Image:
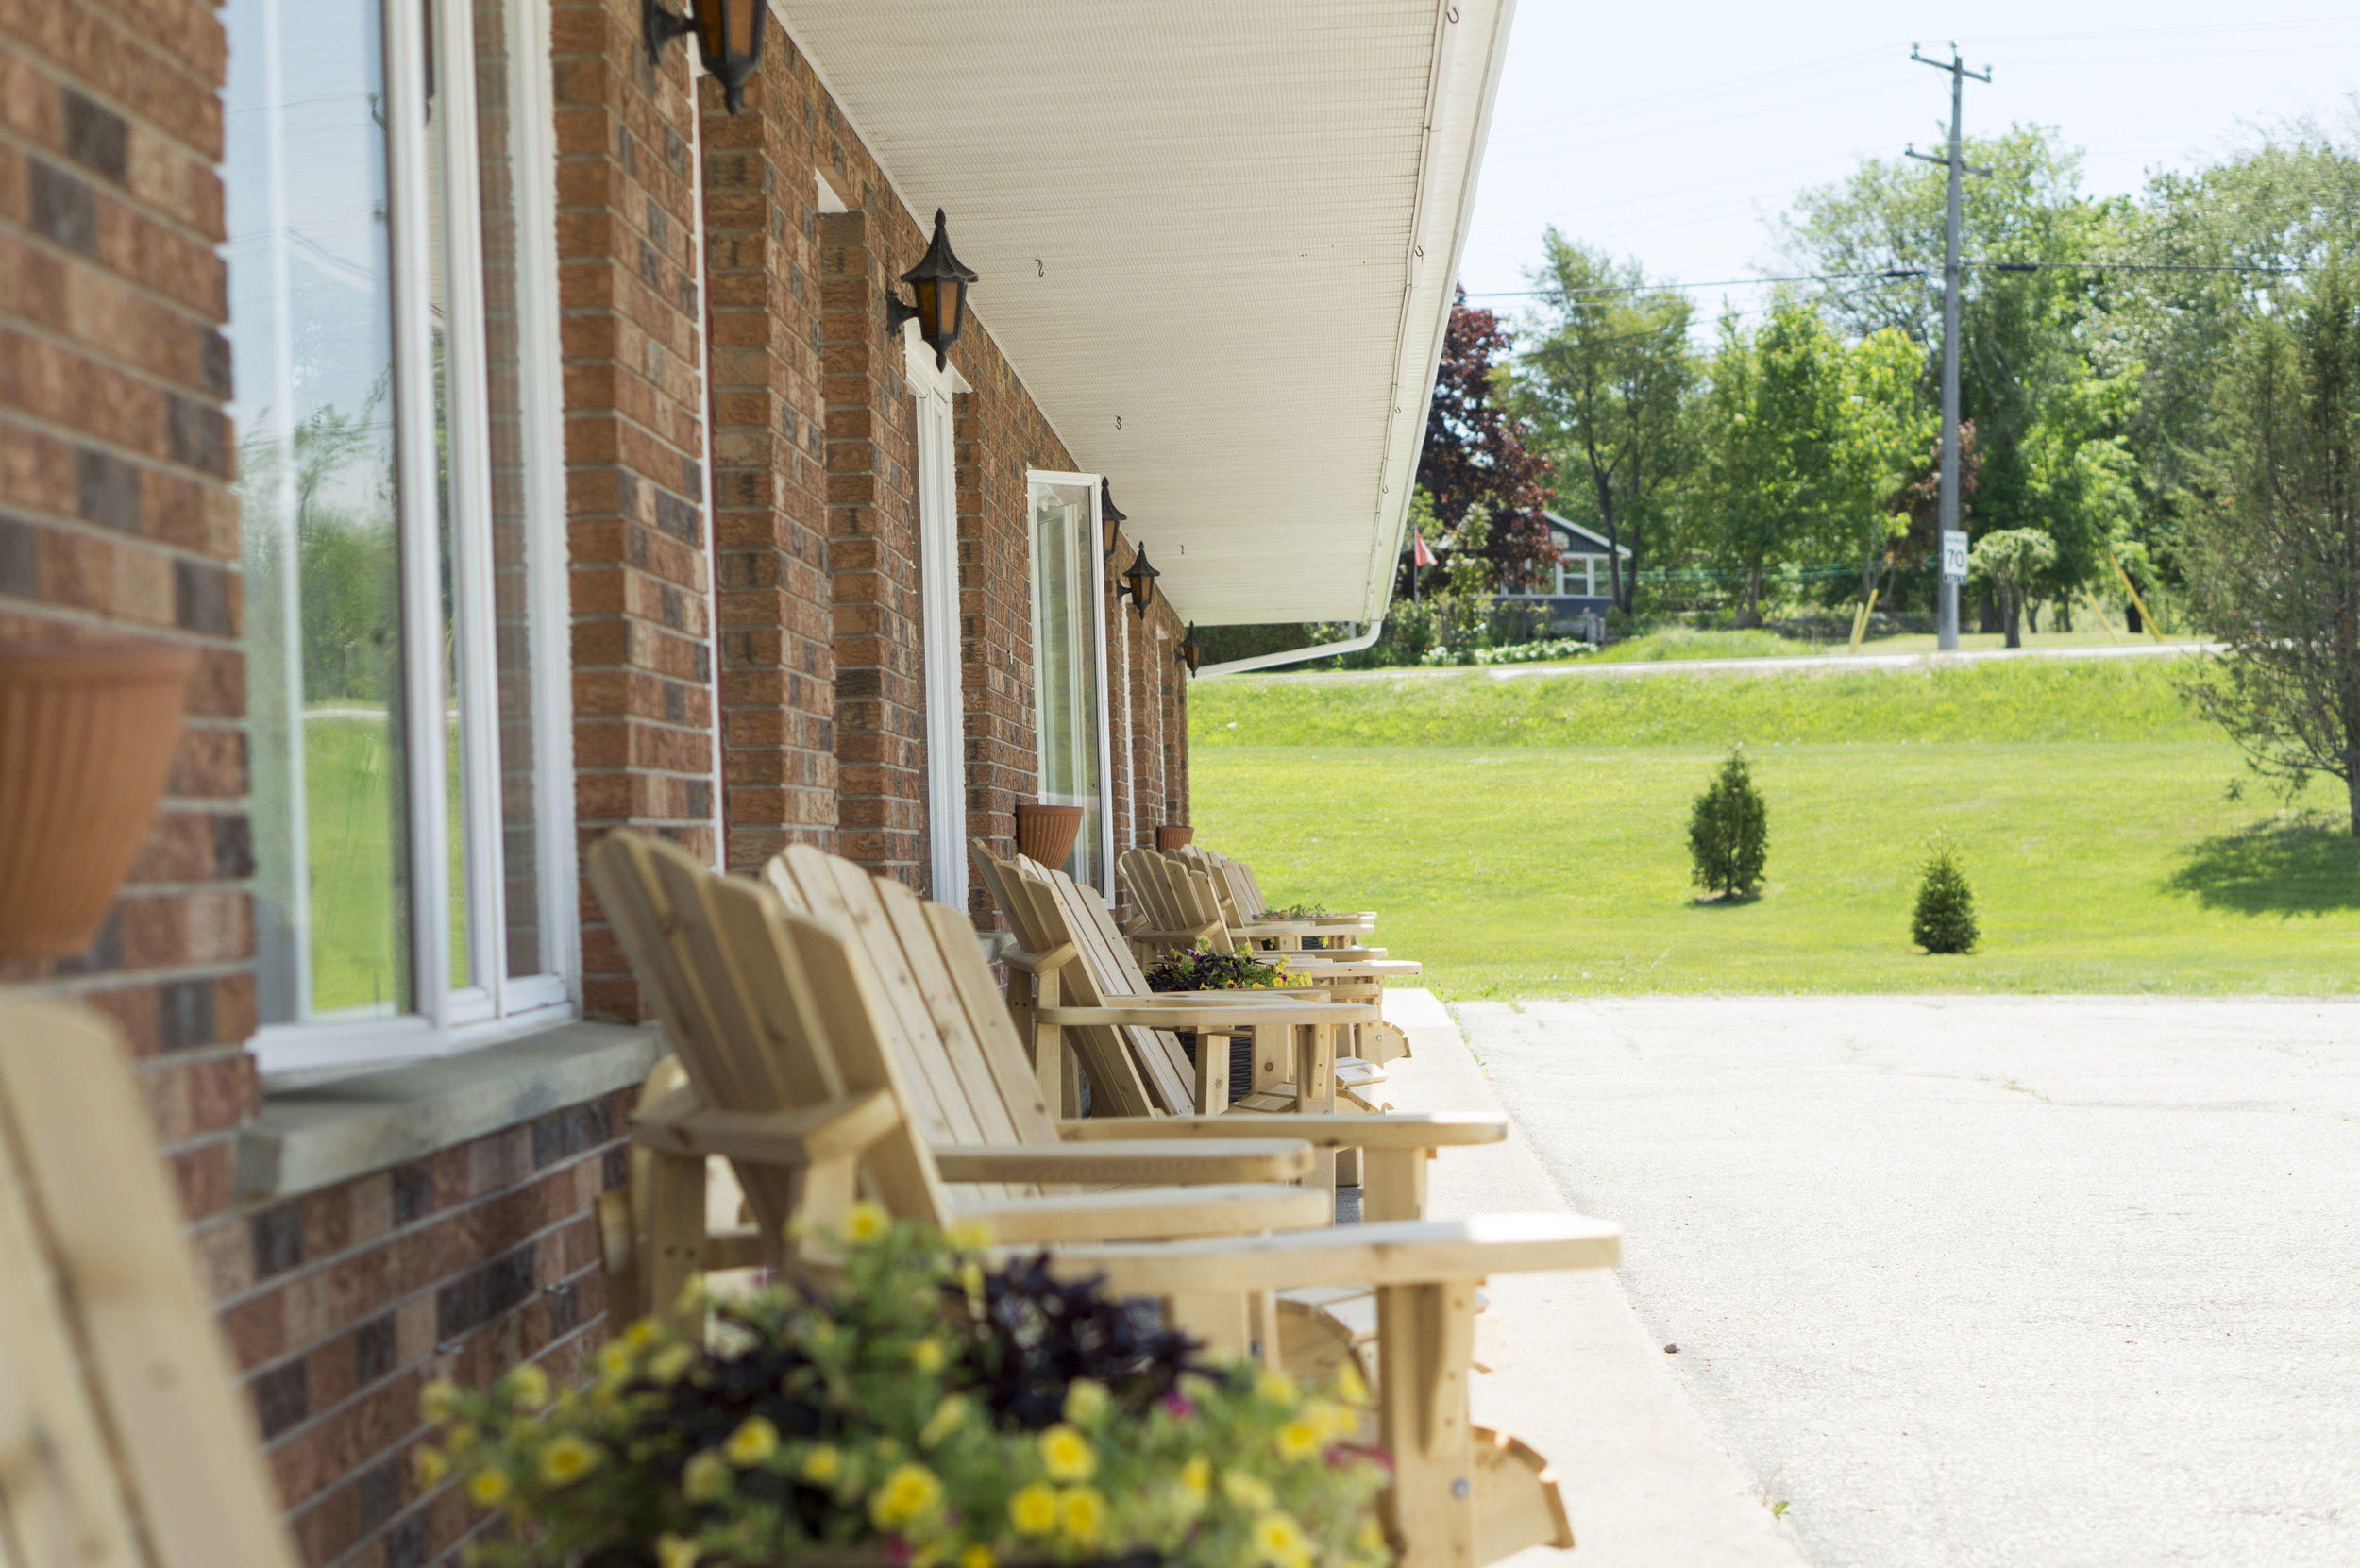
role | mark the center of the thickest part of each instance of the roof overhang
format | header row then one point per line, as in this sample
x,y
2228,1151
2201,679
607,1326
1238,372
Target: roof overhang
x,y
1217,243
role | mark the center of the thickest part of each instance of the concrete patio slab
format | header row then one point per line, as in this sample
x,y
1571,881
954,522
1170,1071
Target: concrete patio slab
x,y
2021,1282
1648,1483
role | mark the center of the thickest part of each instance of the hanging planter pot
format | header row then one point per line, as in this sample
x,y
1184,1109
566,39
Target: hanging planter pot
x,y
1046,832
1171,835
87,732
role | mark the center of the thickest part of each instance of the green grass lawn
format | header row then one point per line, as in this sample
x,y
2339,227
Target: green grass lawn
x,y
1528,838
1682,643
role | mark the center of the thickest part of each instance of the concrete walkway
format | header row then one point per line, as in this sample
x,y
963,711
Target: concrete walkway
x,y
2021,1282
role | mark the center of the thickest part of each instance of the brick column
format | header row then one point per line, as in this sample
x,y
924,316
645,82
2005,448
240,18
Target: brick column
x,y
873,555
640,577
778,654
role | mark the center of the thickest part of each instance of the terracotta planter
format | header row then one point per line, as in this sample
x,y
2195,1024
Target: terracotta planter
x,y
1046,834
87,732
1171,836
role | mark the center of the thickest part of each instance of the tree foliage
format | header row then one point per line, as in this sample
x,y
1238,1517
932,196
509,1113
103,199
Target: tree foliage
x,y
1606,377
1476,453
2275,561
1729,831
2011,560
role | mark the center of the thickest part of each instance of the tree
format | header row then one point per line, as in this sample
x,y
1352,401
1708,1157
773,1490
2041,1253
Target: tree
x,y
1606,381
1729,831
1771,421
2011,560
1476,454
2274,564
1944,920
1883,427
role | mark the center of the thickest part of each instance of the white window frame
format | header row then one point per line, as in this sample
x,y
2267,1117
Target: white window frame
x,y
931,391
1098,636
492,1006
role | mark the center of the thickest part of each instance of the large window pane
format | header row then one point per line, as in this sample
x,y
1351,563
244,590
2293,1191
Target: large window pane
x,y
311,315
1065,667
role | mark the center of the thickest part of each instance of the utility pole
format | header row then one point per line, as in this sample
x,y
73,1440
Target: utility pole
x,y
1954,542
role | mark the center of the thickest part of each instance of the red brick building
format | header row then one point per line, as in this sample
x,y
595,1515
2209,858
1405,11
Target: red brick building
x,y
518,436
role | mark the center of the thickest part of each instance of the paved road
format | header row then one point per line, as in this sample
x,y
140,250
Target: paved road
x,y
2026,1283
1824,663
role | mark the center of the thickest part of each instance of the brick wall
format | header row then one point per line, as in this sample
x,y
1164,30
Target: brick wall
x,y
640,574
116,516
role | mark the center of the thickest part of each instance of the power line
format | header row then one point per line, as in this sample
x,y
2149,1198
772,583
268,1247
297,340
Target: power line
x,y
1894,273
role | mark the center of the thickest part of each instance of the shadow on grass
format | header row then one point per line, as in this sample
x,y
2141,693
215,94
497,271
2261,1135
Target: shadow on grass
x,y
1725,900
2287,865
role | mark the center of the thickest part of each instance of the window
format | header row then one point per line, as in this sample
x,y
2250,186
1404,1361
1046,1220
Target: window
x,y
1069,666
389,188
1581,577
939,585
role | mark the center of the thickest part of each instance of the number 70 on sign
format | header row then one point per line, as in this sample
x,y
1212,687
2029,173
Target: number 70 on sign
x,y
1955,554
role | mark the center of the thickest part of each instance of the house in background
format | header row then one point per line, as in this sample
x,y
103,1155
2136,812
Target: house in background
x,y
524,444
1581,586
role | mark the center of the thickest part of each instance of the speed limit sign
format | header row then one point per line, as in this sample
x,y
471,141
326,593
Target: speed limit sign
x,y
1954,553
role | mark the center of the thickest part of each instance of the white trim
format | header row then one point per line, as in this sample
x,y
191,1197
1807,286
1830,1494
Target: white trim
x,y
936,475
417,528
710,522
541,375
280,1048
1098,635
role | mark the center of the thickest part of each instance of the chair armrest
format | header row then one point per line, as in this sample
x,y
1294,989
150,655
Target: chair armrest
x,y
1039,963
680,1124
1400,1252
1390,1130
1260,994
1184,938
1136,1163
1209,1017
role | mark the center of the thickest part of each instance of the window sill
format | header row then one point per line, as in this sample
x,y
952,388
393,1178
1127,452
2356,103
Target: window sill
x,y
311,1138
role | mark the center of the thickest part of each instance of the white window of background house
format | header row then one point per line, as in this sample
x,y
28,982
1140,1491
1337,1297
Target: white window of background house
x,y
1069,666
938,585
391,195
1581,575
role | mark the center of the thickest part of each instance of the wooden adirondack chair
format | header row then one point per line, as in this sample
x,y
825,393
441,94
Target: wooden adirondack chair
x,y
1461,1496
123,1441
765,1089
1247,904
1182,910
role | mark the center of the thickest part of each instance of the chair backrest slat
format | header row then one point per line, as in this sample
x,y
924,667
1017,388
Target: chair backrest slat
x,y
1162,1067
987,1018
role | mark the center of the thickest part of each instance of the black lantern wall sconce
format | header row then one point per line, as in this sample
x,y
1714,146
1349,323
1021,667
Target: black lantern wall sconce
x,y
1138,582
939,296
729,36
1110,516
1191,653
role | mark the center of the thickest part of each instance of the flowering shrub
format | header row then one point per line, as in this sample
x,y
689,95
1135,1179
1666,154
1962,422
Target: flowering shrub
x,y
1207,970
930,1411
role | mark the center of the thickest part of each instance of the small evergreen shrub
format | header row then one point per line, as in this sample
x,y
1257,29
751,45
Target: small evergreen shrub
x,y
1729,831
1945,922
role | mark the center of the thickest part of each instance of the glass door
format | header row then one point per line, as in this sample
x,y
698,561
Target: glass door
x,y
1069,666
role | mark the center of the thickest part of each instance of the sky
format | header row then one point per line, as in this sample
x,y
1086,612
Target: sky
x,y
1672,134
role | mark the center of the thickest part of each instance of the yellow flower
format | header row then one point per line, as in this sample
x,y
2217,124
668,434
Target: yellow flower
x,y
1197,1476
705,1478
1350,1384
754,1441
1248,1491
1086,1400
926,1354
977,1556
489,1488
945,1420
460,1437
1299,1440
972,1280
1082,1513
1034,1510
614,1362
1370,1539
1276,1387
822,1465
969,1236
909,1494
528,1388
1332,1419
432,1465
639,1336
867,1221
569,1460
438,1400
673,1551
1279,1540
668,1363
1066,1455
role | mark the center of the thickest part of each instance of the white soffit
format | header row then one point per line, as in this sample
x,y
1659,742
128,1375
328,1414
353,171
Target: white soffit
x,y
1232,228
